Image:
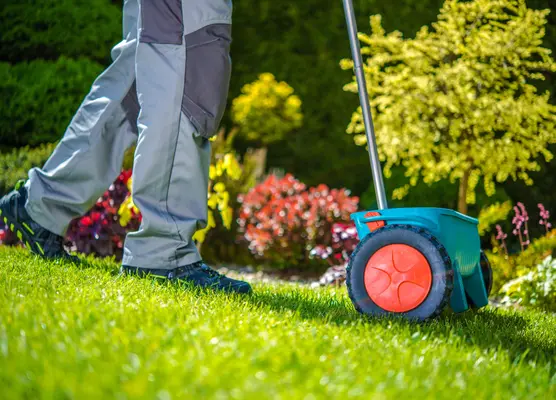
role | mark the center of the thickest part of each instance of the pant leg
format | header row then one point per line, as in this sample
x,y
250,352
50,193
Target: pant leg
x,y
183,73
90,155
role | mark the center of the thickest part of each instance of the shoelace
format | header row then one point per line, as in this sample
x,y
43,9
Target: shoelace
x,y
210,272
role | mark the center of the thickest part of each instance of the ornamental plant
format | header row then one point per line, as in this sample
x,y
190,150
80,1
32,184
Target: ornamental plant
x,y
283,220
520,223
459,100
337,253
222,239
267,110
225,166
544,217
490,215
535,289
16,163
100,231
511,264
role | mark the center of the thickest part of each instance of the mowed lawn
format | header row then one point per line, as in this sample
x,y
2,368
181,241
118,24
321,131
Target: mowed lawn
x,y
84,332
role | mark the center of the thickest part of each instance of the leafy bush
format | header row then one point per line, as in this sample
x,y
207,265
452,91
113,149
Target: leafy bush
x,y
536,289
267,110
509,265
301,43
16,164
100,232
337,253
492,214
39,98
440,115
222,243
224,168
283,220
48,29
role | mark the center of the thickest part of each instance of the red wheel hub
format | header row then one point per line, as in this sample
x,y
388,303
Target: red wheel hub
x,y
398,278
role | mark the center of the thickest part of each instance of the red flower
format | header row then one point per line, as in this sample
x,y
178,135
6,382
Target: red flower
x,y
95,215
86,221
283,219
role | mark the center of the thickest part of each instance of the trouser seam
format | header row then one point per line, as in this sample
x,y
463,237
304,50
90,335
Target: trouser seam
x,y
169,183
172,162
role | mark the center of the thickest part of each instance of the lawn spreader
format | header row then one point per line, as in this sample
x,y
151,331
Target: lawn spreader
x,y
411,262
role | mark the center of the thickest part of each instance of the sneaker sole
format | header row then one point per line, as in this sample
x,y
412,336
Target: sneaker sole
x,y
23,233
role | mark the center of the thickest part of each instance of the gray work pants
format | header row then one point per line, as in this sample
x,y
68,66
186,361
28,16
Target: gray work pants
x,y
166,90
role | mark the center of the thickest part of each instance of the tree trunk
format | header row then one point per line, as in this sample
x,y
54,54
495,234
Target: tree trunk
x,y
258,157
462,193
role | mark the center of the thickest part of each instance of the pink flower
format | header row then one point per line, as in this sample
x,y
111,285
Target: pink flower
x,y
524,214
545,215
500,233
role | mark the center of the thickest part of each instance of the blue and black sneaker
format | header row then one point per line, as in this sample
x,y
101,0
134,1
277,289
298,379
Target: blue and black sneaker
x,y
198,274
36,238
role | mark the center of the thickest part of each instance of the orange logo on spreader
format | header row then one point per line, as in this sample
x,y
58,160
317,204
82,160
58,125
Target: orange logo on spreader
x,y
373,226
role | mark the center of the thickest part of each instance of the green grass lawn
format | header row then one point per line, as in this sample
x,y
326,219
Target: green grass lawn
x,y
85,332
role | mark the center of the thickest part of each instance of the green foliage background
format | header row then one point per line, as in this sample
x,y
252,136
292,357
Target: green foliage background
x,y
300,42
42,98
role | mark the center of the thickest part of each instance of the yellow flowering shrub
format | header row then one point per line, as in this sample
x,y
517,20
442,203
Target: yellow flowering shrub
x,y
267,110
128,209
225,167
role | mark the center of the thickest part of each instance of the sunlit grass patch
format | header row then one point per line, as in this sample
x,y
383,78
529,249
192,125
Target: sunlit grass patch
x,y
85,332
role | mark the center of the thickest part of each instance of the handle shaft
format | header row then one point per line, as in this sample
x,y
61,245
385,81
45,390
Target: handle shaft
x,y
365,105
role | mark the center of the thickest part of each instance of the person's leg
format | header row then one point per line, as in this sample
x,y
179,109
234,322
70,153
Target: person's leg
x,y
90,155
88,158
183,73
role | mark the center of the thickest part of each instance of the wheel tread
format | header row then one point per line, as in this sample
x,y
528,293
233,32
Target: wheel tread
x,y
423,232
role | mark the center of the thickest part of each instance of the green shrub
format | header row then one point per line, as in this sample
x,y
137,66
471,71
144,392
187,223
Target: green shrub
x,y
536,289
267,110
222,243
506,268
492,214
39,98
49,29
15,164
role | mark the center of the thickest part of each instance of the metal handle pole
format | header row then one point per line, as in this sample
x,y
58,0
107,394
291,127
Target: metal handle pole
x,y
365,105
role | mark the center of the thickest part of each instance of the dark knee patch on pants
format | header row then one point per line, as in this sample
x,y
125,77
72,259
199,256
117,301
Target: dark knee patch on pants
x,y
131,107
207,77
161,22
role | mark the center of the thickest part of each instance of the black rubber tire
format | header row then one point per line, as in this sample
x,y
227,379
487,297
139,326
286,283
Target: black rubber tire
x,y
486,270
418,238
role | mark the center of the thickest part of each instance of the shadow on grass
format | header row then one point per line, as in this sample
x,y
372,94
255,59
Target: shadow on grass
x,y
487,328
525,337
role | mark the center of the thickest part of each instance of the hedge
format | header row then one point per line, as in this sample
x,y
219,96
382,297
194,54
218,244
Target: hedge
x,y
40,97
14,165
48,29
